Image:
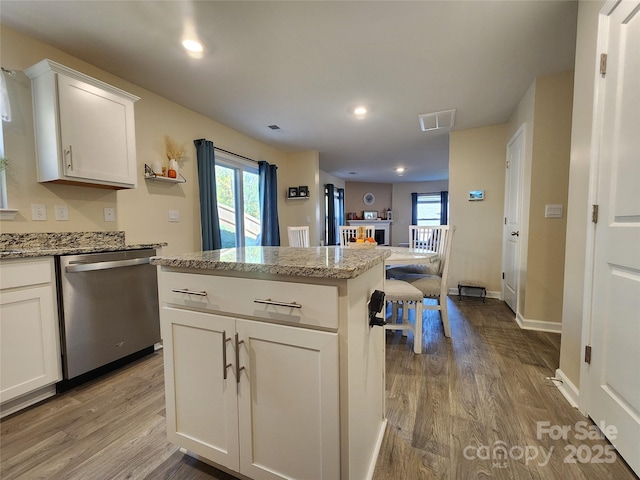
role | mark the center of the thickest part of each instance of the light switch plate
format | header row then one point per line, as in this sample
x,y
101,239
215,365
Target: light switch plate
x,y
174,215
109,214
62,212
553,211
38,212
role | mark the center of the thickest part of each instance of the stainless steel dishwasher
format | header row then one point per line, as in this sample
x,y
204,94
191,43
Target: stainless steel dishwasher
x,y
109,314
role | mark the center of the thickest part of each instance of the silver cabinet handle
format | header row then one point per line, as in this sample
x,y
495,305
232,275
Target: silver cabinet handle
x,y
87,267
238,367
225,365
69,154
268,301
189,292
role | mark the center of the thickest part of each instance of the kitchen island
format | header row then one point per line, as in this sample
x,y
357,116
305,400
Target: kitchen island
x,y
271,367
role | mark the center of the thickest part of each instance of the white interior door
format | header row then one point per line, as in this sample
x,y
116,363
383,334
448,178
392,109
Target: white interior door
x,y
614,383
512,209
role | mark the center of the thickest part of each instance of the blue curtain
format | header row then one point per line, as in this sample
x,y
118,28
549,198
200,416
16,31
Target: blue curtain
x,y
444,207
414,208
270,228
206,157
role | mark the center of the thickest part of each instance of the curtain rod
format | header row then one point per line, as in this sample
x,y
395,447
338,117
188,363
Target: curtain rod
x,y
237,155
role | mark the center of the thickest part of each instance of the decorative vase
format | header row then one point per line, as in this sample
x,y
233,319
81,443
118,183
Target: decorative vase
x,y
173,169
156,166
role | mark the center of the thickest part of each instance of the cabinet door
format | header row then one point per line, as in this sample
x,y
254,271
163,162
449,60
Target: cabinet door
x,y
201,403
288,402
97,133
29,345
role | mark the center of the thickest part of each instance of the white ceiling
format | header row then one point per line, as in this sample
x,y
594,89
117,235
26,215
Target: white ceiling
x,y
302,64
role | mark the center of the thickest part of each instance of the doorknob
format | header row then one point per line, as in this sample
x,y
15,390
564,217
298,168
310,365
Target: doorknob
x,y
515,234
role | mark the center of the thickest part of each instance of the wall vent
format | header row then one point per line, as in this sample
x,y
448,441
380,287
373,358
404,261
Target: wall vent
x,y
437,121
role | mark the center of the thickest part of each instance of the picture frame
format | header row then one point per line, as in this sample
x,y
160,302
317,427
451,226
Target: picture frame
x,y
476,195
303,191
369,198
293,192
370,215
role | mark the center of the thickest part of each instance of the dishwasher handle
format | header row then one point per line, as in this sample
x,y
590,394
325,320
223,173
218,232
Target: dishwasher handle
x,y
88,267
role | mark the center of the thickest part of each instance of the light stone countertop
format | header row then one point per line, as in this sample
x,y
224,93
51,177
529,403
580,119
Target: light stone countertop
x,y
325,262
27,245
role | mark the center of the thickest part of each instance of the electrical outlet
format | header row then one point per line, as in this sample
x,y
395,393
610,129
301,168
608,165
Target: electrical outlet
x,y
62,212
109,214
38,212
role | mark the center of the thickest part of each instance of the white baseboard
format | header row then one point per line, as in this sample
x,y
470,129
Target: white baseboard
x,y
539,325
568,389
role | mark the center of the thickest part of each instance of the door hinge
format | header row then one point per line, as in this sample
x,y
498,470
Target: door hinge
x,y
603,64
594,213
587,354
505,220
503,275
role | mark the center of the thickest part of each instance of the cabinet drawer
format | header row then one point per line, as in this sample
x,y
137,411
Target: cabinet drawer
x,y
23,273
282,302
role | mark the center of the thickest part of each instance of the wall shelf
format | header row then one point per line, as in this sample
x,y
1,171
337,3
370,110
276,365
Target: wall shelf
x,y
149,175
297,198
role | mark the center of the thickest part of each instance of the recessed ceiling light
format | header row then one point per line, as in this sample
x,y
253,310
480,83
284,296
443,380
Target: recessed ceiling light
x,y
193,47
360,111
400,169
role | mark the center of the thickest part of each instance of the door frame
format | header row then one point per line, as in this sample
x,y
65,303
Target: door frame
x,y
521,131
589,268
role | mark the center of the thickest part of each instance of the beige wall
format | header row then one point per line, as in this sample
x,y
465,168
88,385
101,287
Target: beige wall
x,y
354,193
477,162
142,212
545,111
300,169
578,196
401,201
549,185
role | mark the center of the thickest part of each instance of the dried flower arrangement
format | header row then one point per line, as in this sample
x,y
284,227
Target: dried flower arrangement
x,y
173,151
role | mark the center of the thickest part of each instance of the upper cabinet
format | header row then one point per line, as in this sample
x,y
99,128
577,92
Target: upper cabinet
x,y
84,128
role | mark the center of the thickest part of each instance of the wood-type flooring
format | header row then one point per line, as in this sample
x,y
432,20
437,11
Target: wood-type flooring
x,y
449,411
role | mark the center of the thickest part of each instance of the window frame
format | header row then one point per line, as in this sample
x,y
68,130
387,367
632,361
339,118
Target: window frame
x,y
437,199
239,167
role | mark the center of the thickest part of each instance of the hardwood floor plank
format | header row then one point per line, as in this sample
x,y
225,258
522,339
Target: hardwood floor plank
x,y
482,388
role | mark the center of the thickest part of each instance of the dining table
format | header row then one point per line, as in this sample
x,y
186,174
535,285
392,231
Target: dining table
x,y
409,256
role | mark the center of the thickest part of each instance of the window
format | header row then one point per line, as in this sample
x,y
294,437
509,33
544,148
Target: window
x,y
238,202
430,208
334,213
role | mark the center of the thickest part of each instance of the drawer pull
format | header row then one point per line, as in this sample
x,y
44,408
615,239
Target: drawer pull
x,y
225,365
189,292
268,301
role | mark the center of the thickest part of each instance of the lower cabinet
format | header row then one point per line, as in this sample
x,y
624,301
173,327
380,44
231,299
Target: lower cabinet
x,y
29,340
256,398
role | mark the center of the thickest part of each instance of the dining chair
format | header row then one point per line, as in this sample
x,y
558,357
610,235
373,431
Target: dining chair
x,y
401,293
347,232
435,286
433,238
298,236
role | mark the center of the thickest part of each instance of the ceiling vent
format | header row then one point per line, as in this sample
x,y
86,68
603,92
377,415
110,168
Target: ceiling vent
x,y
437,121
274,127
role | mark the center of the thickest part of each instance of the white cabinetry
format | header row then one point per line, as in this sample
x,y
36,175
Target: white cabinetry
x,y
273,376
29,342
85,130
257,398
